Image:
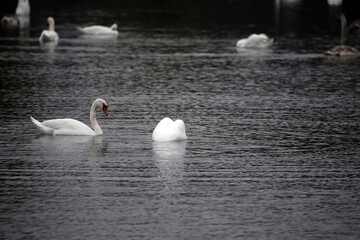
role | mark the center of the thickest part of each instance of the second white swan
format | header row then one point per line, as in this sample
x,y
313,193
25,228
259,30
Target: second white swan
x,y
168,130
49,35
68,126
255,41
99,30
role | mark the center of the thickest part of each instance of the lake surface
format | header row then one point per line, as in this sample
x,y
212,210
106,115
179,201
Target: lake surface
x,y
273,136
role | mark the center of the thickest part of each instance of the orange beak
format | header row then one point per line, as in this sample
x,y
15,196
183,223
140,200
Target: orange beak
x,y
105,110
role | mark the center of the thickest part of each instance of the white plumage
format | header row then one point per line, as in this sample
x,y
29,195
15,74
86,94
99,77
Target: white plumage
x,y
49,35
23,8
99,30
68,126
255,41
168,130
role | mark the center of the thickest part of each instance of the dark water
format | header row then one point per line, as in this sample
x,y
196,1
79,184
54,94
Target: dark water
x,y
273,136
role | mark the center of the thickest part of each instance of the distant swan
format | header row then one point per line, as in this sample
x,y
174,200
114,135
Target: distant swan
x,y
342,50
23,8
255,41
99,30
49,35
67,126
168,130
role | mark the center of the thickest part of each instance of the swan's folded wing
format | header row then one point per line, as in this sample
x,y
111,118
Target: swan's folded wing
x,y
68,126
41,127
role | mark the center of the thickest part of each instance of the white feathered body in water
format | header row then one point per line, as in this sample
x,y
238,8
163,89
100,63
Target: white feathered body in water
x,y
99,30
168,130
23,8
49,35
68,126
255,41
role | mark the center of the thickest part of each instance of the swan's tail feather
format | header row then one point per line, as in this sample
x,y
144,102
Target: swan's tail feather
x,y
80,29
41,127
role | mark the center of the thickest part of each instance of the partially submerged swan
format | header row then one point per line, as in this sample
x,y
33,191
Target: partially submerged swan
x,y
343,50
23,8
49,35
99,30
68,126
255,41
168,130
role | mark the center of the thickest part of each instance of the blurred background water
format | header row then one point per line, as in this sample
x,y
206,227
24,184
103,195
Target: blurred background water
x,y
273,135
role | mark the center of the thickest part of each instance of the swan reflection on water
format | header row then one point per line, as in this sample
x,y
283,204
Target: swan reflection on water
x,y
49,46
97,38
254,52
78,144
169,157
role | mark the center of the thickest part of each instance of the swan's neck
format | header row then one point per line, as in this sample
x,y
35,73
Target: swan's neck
x,y
51,25
93,121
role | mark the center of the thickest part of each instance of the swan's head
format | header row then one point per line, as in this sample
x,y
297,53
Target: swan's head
x,y
114,27
101,103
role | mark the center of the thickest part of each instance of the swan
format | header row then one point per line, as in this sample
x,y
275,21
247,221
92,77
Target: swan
x,y
99,30
68,126
23,8
168,130
342,50
255,41
334,2
49,35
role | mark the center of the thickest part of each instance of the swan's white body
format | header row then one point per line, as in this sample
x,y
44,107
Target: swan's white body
x,y
67,126
334,2
255,41
168,130
99,30
23,8
49,35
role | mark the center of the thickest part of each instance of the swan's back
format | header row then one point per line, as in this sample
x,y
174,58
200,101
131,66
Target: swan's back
x,y
68,126
23,8
48,36
64,126
343,50
97,30
168,130
255,41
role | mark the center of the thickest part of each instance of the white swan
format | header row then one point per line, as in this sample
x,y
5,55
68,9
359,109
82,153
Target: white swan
x,y
168,130
255,41
49,35
99,30
69,126
23,8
